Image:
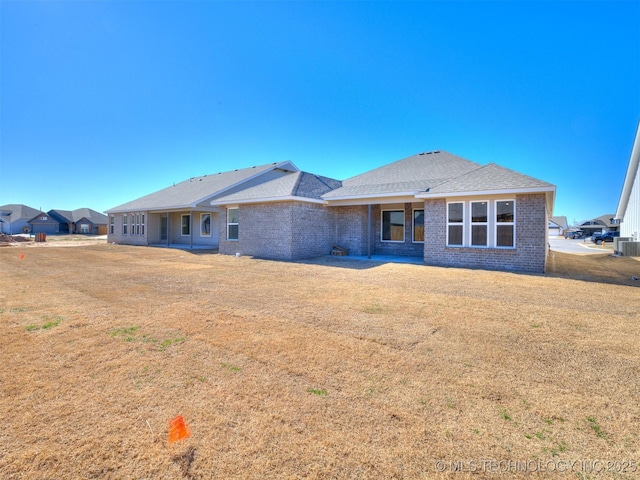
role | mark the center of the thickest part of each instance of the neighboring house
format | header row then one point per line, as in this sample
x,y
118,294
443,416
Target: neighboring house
x,y
82,220
603,223
628,213
44,223
557,226
443,208
14,218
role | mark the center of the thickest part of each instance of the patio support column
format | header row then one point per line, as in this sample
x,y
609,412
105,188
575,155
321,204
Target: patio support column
x,y
369,231
168,228
190,228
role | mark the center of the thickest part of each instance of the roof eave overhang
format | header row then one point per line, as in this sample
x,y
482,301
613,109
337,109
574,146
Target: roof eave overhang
x,y
550,193
372,199
477,193
285,198
171,208
371,195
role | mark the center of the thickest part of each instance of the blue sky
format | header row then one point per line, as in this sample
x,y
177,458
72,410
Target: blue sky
x,y
105,101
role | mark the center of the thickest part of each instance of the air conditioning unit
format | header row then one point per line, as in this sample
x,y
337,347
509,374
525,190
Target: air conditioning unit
x,y
630,249
616,243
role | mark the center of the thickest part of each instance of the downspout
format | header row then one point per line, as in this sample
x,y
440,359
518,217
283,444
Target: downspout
x,y
369,231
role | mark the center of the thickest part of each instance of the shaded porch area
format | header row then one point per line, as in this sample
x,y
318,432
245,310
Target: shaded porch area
x,y
182,246
380,258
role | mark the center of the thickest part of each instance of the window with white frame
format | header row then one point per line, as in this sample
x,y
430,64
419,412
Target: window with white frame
x,y
418,226
232,223
455,224
112,226
505,223
392,226
479,224
125,224
186,225
142,225
205,224
137,224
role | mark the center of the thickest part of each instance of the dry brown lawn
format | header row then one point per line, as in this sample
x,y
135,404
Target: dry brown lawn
x,y
323,369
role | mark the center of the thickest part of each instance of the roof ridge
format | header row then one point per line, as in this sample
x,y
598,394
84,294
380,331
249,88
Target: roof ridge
x,y
296,185
457,177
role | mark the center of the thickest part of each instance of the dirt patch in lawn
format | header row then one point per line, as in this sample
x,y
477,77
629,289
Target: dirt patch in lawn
x,y
605,268
324,369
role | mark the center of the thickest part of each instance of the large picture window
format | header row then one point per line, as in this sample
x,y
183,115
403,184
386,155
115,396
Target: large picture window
x,y
418,226
232,223
505,223
393,225
479,224
205,224
186,225
455,224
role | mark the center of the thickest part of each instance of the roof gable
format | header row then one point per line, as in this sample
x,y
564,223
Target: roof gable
x,y
302,185
62,216
94,217
407,176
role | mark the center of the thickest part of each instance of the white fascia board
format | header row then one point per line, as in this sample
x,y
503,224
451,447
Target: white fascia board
x,y
371,196
488,192
629,179
287,198
379,200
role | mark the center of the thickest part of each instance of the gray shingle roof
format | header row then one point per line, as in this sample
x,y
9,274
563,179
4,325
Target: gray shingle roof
x,y
561,221
296,184
489,177
196,190
94,217
18,211
410,175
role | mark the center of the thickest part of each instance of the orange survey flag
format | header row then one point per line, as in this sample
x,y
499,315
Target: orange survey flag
x,y
178,429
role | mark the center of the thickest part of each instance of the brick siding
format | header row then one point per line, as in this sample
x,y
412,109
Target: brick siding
x,y
407,248
119,238
530,254
351,228
280,230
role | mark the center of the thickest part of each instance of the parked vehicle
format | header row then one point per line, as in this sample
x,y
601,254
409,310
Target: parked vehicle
x,y
599,238
574,234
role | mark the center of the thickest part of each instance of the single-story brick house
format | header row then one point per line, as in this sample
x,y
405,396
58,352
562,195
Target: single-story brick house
x,y
81,220
443,208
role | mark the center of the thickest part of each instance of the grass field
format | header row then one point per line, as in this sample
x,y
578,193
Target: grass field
x,y
323,369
